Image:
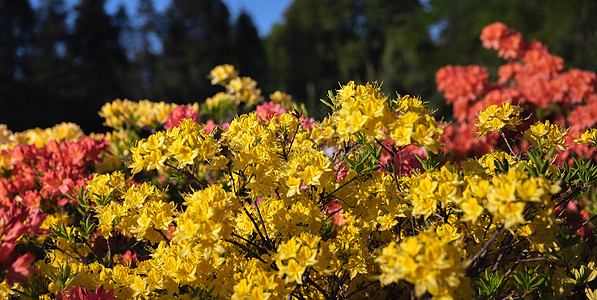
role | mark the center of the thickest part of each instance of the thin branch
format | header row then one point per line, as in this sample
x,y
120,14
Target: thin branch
x,y
267,240
254,224
324,293
190,176
246,250
509,147
363,289
472,262
337,189
584,223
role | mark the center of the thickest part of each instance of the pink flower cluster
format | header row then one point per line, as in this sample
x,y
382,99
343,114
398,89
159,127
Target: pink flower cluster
x,y
532,78
267,110
576,216
81,293
16,221
48,172
405,161
180,113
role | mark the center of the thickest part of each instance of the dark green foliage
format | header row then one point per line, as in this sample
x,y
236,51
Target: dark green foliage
x,y
431,163
491,286
528,280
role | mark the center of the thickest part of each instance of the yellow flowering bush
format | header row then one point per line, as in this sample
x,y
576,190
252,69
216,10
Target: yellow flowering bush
x,y
361,205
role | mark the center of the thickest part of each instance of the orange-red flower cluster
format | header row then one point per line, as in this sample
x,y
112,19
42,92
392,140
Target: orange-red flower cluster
x,y
532,78
15,221
48,172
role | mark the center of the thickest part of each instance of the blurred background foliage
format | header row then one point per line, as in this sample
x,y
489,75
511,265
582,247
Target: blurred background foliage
x,y
60,65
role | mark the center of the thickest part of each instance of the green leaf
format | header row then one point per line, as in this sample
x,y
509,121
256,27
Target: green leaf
x,y
491,286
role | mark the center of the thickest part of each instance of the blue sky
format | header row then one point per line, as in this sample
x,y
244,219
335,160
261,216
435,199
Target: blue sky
x,y
265,13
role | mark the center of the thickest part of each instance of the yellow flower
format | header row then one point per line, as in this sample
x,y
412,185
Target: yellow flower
x,y
428,262
588,137
222,73
281,98
498,118
545,135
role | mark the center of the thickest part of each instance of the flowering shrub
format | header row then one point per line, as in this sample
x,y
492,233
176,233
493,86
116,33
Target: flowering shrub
x,y
270,204
531,78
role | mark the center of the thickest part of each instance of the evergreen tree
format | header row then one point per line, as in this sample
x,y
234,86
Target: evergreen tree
x,y
322,43
146,50
50,66
249,52
16,28
99,61
196,37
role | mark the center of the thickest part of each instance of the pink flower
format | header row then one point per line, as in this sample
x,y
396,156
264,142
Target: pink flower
x,y
19,270
267,110
81,293
15,222
334,209
180,113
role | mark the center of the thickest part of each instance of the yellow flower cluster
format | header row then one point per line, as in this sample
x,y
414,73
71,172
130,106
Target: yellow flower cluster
x,y
588,137
498,118
136,210
244,89
488,161
281,98
545,135
294,256
430,263
506,196
509,194
119,113
276,157
414,125
102,188
376,200
222,74
7,138
431,188
205,221
183,145
39,137
217,102
238,89
255,283
364,109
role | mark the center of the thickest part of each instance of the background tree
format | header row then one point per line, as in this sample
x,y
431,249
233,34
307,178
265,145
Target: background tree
x,y
50,63
16,28
196,37
146,50
99,62
248,48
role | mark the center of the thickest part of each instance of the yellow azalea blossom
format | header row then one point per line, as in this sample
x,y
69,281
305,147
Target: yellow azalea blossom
x,y
426,261
122,113
498,118
222,73
588,137
545,135
281,98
